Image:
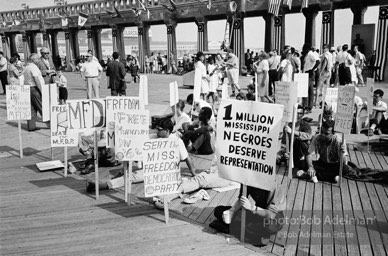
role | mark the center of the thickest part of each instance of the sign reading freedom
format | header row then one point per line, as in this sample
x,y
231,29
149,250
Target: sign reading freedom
x,y
161,167
249,134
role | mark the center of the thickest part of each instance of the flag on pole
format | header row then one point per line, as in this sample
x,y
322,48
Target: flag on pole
x,y
381,43
65,22
274,6
326,28
305,4
82,18
288,2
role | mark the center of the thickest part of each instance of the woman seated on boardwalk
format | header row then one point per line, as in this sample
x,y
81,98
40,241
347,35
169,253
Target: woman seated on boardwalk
x,y
327,145
263,219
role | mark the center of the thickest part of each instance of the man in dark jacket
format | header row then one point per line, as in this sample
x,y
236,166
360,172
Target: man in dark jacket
x,y
46,66
116,73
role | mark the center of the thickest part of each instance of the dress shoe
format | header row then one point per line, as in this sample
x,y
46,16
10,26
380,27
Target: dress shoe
x,y
88,169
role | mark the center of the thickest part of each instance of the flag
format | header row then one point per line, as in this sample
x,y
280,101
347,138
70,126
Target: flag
x,y
65,21
277,34
288,2
381,43
15,22
305,4
326,28
82,18
201,36
274,6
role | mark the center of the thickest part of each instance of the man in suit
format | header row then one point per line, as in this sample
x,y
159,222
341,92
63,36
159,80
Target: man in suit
x,y
116,76
45,66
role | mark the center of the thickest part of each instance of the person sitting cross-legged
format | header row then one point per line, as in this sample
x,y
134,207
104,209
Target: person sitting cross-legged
x,y
200,133
164,129
378,123
328,146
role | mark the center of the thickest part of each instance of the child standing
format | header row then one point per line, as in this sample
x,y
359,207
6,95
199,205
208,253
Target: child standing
x,y
134,69
62,87
213,83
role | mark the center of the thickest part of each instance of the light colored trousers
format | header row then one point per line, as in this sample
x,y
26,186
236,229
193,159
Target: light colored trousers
x,y
93,87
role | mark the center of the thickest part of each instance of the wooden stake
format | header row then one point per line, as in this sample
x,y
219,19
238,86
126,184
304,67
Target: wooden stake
x,y
65,156
96,165
166,212
128,182
291,161
243,216
20,139
341,161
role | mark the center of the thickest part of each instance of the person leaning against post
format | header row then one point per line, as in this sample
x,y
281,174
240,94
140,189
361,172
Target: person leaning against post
x,y
91,72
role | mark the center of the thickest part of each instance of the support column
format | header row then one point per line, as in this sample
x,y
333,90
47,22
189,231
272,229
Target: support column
x,y
74,43
69,54
143,44
358,13
269,23
12,44
327,28
5,44
118,41
237,42
32,38
89,34
26,45
54,43
171,43
97,43
202,38
310,31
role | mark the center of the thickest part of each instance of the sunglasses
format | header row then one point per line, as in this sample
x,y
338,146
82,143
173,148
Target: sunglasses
x,y
45,53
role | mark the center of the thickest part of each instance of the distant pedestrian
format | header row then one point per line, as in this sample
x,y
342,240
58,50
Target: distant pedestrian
x,y
91,72
116,75
3,71
134,70
61,82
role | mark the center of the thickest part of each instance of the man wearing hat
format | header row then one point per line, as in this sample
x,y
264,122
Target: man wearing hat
x,y
91,72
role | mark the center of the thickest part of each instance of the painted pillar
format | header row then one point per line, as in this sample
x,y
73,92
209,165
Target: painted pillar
x,y
69,54
32,38
202,38
118,41
171,44
54,43
143,43
74,43
89,34
26,44
269,23
97,43
5,44
12,44
310,31
358,13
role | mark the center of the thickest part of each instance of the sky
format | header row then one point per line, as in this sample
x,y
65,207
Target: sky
x,y
253,27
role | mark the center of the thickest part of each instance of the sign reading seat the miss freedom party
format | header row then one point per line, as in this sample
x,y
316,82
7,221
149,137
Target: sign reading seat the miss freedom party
x,y
247,142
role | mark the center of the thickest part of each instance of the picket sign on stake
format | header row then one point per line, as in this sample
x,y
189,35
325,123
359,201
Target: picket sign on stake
x,y
174,97
96,165
143,89
20,139
291,161
127,182
370,85
65,156
166,212
256,91
243,216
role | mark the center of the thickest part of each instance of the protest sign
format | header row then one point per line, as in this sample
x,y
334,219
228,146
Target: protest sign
x,y
131,130
86,114
143,89
302,79
174,96
286,95
18,102
330,96
161,160
61,136
370,84
249,133
49,97
115,106
345,109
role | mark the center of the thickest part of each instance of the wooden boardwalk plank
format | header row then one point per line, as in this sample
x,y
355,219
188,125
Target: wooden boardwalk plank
x,y
316,229
210,208
224,201
293,236
339,229
305,228
350,229
327,228
281,238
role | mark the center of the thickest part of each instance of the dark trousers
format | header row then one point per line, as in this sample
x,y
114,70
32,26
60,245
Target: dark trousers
x,y
3,79
308,101
118,92
36,107
201,142
273,77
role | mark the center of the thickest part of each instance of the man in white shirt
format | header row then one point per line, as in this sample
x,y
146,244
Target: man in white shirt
x,y
310,63
3,71
181,118
359,64
91,72
377,119
344,60
325,68
94,57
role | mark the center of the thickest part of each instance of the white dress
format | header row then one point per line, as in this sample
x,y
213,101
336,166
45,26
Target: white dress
x,y
213,84
199,81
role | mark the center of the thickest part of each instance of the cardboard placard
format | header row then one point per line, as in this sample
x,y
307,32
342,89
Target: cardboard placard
x,y
174,94
86,114
249,134
330,96
18,102
161,165
61,136
287,95
114,107
143,89
302,79
50,165
345,109
131,130
49,97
